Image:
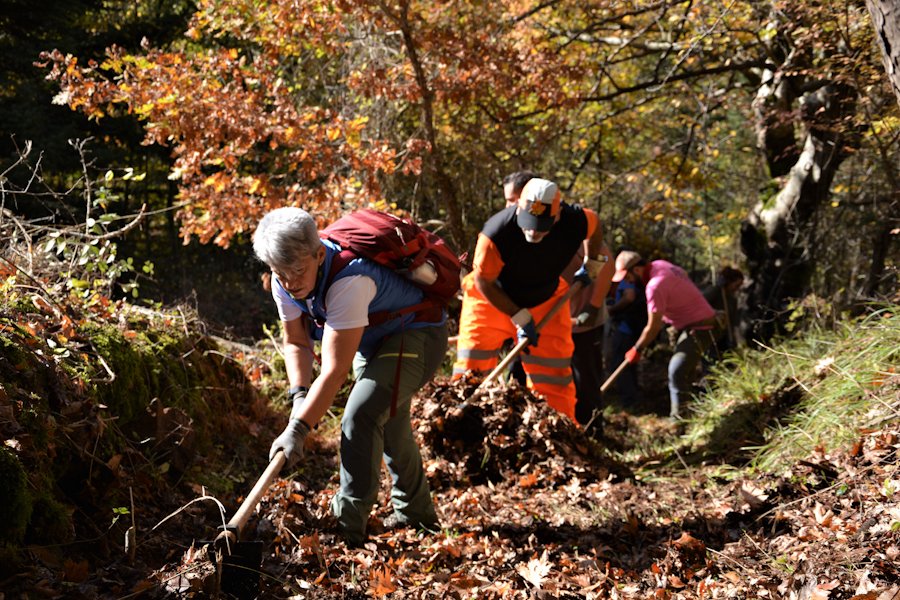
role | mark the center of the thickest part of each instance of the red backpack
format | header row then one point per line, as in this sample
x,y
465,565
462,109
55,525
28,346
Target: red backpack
x,y
402,246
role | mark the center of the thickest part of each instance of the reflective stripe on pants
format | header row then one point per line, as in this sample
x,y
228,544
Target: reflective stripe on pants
x,y
483,329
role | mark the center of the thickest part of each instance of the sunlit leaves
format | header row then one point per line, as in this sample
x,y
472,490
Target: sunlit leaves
x,y
320,103
242,142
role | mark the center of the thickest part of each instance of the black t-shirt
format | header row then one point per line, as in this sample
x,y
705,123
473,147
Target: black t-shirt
x,y
530,271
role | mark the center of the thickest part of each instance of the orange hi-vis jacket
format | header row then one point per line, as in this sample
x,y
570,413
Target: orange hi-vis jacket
x,y
529,273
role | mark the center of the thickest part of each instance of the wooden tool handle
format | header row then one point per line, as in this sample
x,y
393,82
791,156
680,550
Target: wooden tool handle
x,y
239,520
512,354
612,377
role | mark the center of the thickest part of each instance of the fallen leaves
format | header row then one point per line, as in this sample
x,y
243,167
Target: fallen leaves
x,y
528,480
382,582
545,523
535,571
531,510
753,496
75,571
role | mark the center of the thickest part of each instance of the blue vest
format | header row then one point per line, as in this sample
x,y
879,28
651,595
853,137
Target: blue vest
x,y
393,292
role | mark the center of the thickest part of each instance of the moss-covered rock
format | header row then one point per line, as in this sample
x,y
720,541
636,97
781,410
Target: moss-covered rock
x,y
124,407
15,501
51,521
129,391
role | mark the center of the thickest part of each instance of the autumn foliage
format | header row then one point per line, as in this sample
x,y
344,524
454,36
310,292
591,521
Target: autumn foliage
x,y
242,142
262,110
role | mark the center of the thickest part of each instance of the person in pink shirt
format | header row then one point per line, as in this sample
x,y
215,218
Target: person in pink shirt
x,y
673,299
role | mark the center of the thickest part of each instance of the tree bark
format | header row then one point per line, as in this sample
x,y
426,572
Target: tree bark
x,y
777,238
886,19
443,180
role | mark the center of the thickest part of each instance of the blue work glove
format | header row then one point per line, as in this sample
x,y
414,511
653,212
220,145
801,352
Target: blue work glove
x,y
293,438
525,326
590,269
582,275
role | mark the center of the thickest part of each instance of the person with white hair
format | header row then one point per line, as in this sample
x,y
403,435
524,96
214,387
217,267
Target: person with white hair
x,y
391,359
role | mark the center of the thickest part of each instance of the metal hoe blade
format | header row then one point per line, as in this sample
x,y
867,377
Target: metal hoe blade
x,y
238,563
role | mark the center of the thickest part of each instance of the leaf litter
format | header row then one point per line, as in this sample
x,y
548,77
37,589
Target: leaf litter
x,y
530,507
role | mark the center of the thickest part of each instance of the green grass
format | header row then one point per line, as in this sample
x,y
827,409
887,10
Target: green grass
x,y
768,408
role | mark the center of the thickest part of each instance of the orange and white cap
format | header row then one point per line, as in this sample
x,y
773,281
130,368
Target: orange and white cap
x,y
538,205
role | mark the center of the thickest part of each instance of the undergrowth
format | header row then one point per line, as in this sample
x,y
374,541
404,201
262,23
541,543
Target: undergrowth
x,y
770,407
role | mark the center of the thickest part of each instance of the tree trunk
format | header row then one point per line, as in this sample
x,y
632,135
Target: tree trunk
x,y
444,182
777,238
886,19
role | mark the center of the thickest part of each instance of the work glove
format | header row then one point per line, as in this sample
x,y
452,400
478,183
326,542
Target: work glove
x,y
583,276
525,327
593,266
588,315
293,438
632,356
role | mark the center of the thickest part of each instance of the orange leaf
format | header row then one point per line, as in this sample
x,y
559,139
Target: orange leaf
x,y
527,481
689,542
76,572
382,583
142,586
113,463
42,304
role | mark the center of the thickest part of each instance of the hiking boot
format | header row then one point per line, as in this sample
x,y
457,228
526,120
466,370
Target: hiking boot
x,y
353,539
397,521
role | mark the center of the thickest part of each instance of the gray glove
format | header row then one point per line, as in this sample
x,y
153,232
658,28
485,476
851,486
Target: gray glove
x,y
293,438
588,315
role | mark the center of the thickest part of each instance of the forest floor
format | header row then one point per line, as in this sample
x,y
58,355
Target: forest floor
x,y
530,507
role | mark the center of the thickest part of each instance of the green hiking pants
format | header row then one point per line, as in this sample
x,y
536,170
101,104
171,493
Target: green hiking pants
x,y
368,431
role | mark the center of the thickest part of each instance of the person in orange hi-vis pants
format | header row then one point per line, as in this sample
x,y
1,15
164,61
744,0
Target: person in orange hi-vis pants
x,y
519,257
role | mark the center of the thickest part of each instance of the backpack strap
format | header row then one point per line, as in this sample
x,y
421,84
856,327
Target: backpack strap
x,y
426,310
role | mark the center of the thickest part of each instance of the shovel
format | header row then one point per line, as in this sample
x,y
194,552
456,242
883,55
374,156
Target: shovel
x,y
609,380
238,562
